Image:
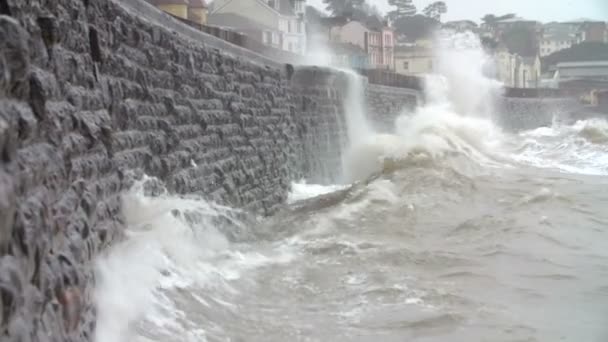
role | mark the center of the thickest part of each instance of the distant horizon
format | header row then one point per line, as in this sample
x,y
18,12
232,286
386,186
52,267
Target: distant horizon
x,y
541,10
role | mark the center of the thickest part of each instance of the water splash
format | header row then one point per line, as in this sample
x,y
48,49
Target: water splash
x,y
456,120
171,243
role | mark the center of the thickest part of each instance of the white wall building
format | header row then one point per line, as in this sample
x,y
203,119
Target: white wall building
x,y
282,21
515,71
556,37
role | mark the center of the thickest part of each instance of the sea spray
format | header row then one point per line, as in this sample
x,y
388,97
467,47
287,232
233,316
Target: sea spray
x,y
160,244
455,120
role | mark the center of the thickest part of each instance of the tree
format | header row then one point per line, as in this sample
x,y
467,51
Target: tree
x,y
371,10
435,10
521,40
313,15
416,27
344,7
491,19
404,8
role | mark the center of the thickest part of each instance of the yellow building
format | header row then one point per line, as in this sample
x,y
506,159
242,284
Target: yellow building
x,y
197,12
178,8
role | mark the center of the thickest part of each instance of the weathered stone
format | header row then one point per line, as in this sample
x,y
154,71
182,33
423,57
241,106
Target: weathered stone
x,y
14,58
122,93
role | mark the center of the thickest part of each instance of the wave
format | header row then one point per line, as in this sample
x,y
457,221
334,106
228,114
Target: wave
x,y
435,136
581,147
172,244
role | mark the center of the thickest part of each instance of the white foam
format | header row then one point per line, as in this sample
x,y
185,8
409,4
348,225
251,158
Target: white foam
x,y
302,190
455,120
578,148
165,252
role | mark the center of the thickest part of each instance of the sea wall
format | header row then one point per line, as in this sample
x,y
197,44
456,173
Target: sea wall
x,y
93,94
518,113
385,104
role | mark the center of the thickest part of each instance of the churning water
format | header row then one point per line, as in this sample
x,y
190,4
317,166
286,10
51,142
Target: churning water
x,y
448,229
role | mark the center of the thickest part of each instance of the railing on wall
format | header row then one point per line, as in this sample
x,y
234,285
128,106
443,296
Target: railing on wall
x,y
245,41
374,76
392,79
537,92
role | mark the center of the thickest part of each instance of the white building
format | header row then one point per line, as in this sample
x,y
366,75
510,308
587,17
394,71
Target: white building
x,y
515,71
556,37
278,23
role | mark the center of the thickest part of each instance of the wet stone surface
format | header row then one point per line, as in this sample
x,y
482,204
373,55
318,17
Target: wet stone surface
x,y
93,96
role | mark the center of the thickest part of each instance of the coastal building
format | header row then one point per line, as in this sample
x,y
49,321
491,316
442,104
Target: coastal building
x,y
516,71
348,55
277,23
590,30
414,60
552,43
192,10
587,75
372,35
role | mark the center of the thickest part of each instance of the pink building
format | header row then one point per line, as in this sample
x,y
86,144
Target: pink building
x,y
374,36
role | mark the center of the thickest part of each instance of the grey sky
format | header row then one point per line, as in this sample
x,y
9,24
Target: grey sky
x,y
542,10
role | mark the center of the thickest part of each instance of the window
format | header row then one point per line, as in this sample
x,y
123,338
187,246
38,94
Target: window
x,y
289,26
268,37
406,65
387,39
430,64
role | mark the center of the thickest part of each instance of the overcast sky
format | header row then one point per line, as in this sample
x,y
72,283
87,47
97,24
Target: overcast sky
x,y
542,10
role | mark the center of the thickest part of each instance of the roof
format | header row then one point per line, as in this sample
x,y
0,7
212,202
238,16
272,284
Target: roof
x,y
371,22
582,20
231,20
583,64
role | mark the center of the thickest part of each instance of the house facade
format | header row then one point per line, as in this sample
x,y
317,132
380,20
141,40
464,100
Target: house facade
x,y
555,42
515,71
277,23
585,75
374,37
414,60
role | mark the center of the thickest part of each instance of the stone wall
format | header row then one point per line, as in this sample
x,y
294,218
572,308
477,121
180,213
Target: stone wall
x,y
318,97
96,93
385,104
517,114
